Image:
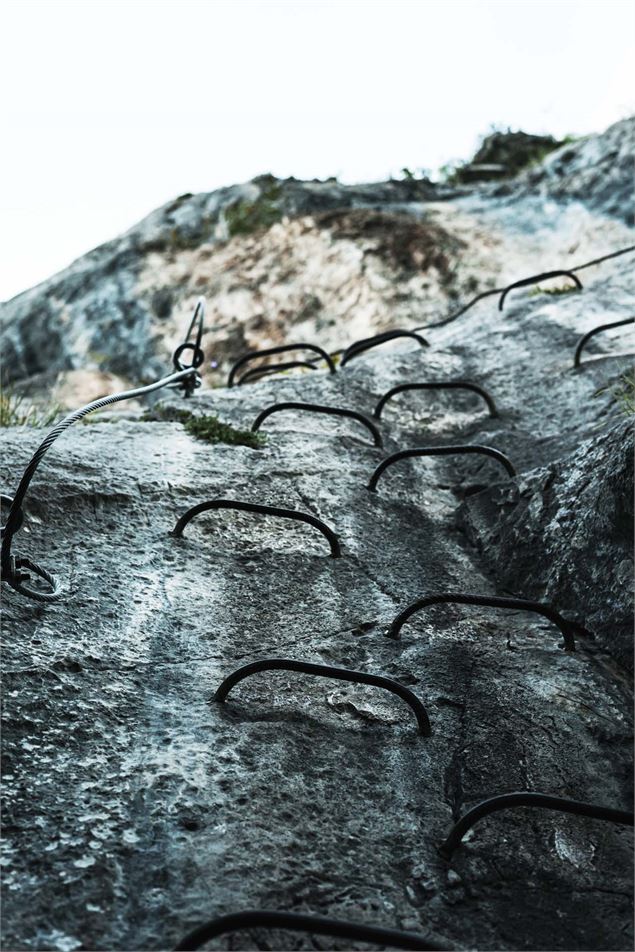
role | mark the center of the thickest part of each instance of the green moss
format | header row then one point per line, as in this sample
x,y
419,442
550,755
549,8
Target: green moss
x,y
245,218
208,428
562,289
212,430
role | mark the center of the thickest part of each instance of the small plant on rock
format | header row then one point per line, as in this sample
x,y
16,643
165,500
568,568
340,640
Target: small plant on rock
x,y
208,428
245,218
15,412
622,391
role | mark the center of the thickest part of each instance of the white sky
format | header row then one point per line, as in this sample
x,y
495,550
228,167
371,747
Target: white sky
x,y
112,107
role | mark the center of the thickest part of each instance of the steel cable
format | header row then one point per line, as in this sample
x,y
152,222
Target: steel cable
x,y
493,291
15,570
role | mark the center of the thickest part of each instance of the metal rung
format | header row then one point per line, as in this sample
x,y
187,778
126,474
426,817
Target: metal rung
x,y
265,511
326,671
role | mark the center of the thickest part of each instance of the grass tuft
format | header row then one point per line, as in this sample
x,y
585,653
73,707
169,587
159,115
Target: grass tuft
x,y
14,411
622,392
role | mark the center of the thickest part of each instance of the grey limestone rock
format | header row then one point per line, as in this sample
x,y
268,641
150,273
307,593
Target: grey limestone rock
x,y
136,807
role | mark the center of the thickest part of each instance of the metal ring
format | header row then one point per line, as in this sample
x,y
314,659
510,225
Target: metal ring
x,y
188,377
16,582
197,358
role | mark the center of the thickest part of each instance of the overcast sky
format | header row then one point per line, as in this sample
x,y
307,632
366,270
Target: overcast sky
x,y
112,108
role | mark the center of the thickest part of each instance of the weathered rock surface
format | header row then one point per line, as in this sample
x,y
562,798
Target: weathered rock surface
x,y
280,260
598,170
578,514
136,807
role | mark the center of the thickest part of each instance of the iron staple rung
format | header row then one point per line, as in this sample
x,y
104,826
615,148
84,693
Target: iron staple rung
x,y
525,799
271,351
596,330
268,370
535,278
327,671
440,451
318,408
360,346
568,628
300,922
437,385
326,531
493,291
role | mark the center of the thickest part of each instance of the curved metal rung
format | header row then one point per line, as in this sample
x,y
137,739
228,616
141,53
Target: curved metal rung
x,y
281,349
267,370
596,330
492,291
360,346
439,451
535,278
443,385
316,925
542,801
326,671
317,408
265,511
568,628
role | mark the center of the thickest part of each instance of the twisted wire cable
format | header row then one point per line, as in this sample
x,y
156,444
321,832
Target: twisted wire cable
x,y
15,570
10,569
493,291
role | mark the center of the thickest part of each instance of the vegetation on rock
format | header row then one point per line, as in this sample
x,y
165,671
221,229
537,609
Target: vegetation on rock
x,y
14,411
502,154
623,392
559,289
399,239
245,218
208,427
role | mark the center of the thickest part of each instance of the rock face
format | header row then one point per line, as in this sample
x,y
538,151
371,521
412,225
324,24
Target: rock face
x,y
578,513
598,170
280,260
136,806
